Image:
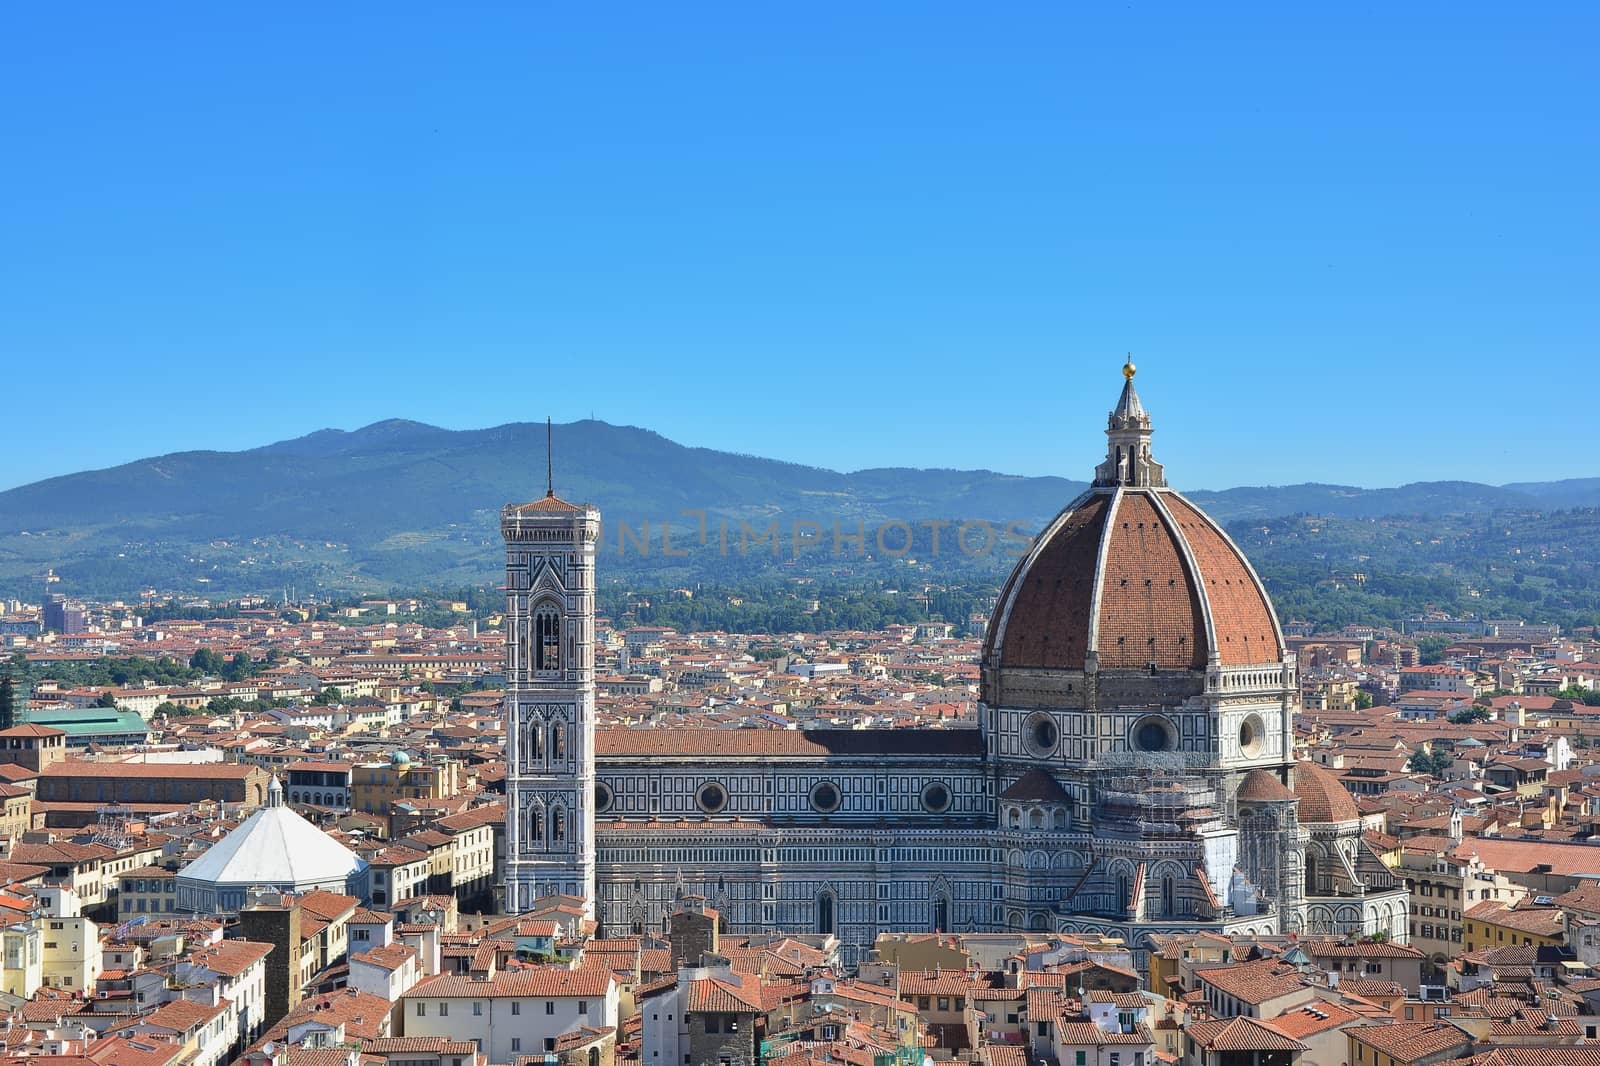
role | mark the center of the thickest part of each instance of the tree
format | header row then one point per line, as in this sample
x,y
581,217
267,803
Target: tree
x,y
1363,699
331,694
238,668
1430,649
8,702
107,699
1471,714
1432,763
207,662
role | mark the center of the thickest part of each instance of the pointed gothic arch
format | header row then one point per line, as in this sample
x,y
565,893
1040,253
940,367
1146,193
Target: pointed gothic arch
x,y
543,655
533,822
827,907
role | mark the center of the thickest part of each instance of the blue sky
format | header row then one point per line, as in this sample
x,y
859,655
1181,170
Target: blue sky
x,y
1343,245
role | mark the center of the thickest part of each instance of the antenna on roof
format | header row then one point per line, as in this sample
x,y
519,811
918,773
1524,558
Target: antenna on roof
x,y
549,459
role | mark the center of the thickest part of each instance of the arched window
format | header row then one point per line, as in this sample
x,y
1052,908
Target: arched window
x,y
825,916
536,742
1169,898
558,824
1311,875
558,740
535,821
941,915
546,639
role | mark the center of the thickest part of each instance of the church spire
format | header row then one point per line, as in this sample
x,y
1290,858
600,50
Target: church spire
x,y
1128,460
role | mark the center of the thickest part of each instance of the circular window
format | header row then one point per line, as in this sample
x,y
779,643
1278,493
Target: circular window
x,y
1154,734
1041,735
602,797
1252,732
711,797
825,797
936,798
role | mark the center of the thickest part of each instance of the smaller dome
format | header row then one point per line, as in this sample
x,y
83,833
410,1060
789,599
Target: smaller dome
x,y
1322,798
1259,786
399,758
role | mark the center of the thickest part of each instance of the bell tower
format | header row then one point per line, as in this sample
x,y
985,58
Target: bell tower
x,y
549,705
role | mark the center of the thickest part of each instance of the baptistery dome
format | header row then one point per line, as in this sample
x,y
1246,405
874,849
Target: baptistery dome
x,y
1132,576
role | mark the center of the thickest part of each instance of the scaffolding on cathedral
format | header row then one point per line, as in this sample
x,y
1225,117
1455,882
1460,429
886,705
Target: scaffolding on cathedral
x,y
1159,799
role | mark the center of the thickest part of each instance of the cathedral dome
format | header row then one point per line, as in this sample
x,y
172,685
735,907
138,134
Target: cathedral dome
x,y
1131,574
1260,786
1322,798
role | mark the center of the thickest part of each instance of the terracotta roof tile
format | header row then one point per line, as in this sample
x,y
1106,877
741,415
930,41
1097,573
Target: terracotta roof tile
x,y
1241,1034
1409,1041
1149,612
1050,600
1322,798
1240,612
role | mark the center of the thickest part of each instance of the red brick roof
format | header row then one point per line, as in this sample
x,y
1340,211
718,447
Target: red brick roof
x,y
434,1045
1260,786
725,997
1322,798
1037,786
182,1015
1241,1034
28,729
1409,1041
386,956
551,504
1313,1018
1252,982
231,957
546,983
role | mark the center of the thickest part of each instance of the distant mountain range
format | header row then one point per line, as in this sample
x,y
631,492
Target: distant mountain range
x,y
400,502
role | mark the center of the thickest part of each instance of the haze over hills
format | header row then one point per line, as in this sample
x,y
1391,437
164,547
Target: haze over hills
x,y
400,501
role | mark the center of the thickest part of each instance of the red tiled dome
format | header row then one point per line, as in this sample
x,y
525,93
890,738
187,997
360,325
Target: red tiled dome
x,y
1132,574
1261,786
1322,798
1138,576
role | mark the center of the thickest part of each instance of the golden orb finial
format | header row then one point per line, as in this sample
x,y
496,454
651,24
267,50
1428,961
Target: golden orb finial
x,y
1128,369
